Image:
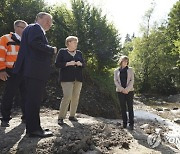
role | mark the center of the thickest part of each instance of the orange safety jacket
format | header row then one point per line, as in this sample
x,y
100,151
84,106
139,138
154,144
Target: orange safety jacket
x,y
9,48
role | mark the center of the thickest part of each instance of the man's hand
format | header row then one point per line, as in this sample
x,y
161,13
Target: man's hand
x,y
55,50
78,63
71,63
4,76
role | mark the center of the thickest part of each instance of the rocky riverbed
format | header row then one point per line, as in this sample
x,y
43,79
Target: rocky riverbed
x,y
89,135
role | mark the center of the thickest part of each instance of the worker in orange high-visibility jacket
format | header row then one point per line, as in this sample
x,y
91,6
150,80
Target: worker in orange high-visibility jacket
x,y
9,47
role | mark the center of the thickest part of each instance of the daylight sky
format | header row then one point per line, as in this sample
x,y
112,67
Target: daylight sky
x,y
127,14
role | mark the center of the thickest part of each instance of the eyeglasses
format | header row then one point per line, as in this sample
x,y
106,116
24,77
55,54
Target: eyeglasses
x,y
21,27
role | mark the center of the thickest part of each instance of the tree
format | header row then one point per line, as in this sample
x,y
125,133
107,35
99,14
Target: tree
x,y
12,10
98,39
173,22
127,38
177,67
142,52
153,60
173,32
63,25
128,45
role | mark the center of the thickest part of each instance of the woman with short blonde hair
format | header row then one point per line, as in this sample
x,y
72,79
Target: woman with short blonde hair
x,y
71,62
69,39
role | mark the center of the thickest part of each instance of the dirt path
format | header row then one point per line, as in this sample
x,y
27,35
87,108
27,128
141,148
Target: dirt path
x,y
87,136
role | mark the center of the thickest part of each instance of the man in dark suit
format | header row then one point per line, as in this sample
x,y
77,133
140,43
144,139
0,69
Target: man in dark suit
x,y
34,61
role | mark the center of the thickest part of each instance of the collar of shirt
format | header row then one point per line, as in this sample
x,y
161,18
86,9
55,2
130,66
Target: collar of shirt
x,y
42,29
17,36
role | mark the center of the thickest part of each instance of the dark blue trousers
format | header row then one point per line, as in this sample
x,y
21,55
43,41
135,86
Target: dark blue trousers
x,y
14,84
35,89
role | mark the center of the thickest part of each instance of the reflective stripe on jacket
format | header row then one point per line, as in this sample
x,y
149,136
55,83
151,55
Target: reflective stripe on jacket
x,y
9,47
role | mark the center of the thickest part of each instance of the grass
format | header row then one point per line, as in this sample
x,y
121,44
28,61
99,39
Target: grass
x,y
105,82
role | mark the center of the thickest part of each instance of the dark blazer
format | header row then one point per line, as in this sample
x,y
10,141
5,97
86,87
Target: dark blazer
x,y
34,57
69,73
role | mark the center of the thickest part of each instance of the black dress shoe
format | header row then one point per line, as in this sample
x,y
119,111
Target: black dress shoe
x,y
73,119
131,127
41,133
5,124
124,125
23,121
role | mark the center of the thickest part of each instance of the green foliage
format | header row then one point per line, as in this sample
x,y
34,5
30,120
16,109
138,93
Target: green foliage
x,y
177,67
177,45
105,82
173,33
152,63
128,45
63,25
173,23
155,56
98,38
12,10
127,48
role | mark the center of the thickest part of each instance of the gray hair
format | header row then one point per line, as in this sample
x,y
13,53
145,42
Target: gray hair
x,y
16,23
70,38
41,15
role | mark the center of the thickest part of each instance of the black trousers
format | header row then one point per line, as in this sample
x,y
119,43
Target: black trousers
x,y
14,83
126,104
35,89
